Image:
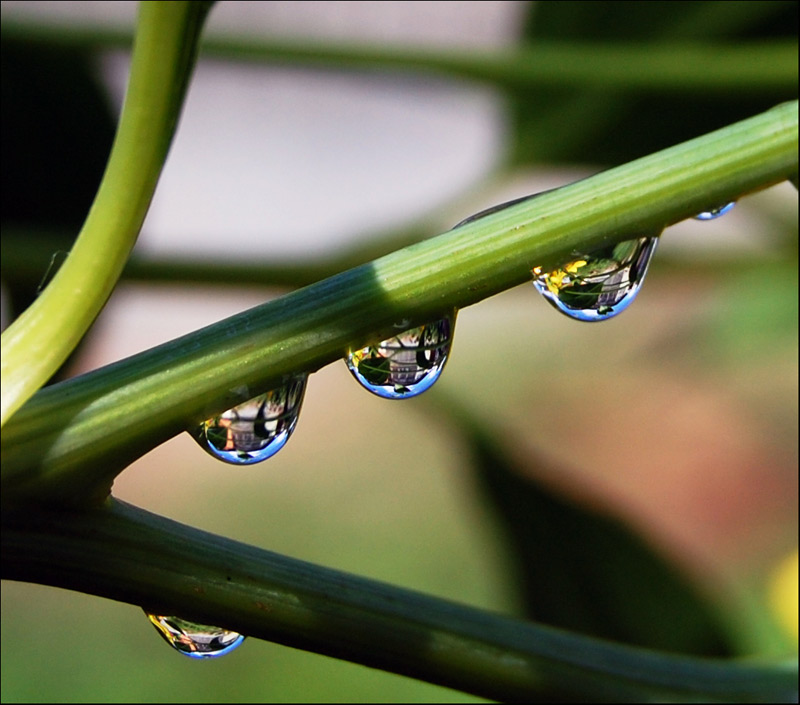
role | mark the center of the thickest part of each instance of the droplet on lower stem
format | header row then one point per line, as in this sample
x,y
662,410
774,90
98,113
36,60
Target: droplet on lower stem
x,y
256,429
195,640
600,284
715,212
407,364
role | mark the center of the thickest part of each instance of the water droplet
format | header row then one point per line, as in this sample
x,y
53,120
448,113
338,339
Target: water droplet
x,y
256,429
715,212
407,364
195,640
499,207
600,284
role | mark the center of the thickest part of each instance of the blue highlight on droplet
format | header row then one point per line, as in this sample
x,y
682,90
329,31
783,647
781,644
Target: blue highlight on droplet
x,y
196,641
717,212
235,644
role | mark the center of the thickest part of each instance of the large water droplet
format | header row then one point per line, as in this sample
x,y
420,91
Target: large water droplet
x,y
600,284
195,640
256,429
407,364
715,212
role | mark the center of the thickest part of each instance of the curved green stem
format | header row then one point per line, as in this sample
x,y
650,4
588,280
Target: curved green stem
x,y
127,554
39,341
70,441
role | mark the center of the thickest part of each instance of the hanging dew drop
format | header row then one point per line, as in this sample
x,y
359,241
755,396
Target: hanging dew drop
x,y
715,212
256,429
407,364
195,640
598,285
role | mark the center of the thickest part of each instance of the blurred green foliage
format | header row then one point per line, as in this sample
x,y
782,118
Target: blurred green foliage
x,y
606,127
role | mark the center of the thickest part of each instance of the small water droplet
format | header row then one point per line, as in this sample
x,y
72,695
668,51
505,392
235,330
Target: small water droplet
x,y
715,212
407,364
256,429
600,284
499,207
195,640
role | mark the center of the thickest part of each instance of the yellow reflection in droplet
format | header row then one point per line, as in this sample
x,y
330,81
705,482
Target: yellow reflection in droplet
x,y
783,593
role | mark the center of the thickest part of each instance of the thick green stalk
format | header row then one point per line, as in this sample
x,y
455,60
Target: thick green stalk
x,y
291,274
70,441
127,554
39,341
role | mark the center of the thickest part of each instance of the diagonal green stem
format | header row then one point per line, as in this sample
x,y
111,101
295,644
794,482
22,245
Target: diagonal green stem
x,y
39,341
70,441
127,554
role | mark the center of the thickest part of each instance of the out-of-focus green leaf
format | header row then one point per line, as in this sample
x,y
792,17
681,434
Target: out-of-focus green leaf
x,y
584,570
609,127
753,317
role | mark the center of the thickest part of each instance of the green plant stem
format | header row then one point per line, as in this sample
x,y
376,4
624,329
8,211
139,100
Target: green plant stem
x,y
39,341
667,66
70,441
127,554
663,65
28,266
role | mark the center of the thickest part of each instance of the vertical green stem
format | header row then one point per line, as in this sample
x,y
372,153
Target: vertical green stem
x,y
39,341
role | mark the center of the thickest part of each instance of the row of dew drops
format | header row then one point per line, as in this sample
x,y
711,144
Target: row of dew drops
x,y
593,286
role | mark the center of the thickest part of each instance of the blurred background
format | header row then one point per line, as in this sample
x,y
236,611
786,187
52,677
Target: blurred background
x,y
635,479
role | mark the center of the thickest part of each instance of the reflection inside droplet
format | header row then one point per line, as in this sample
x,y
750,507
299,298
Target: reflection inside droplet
x,y
715,212
407,364
256,429
600,284
195,640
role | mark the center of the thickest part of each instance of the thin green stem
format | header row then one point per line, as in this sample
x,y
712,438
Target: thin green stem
x,y
127,554
70,441
39,341
664,65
